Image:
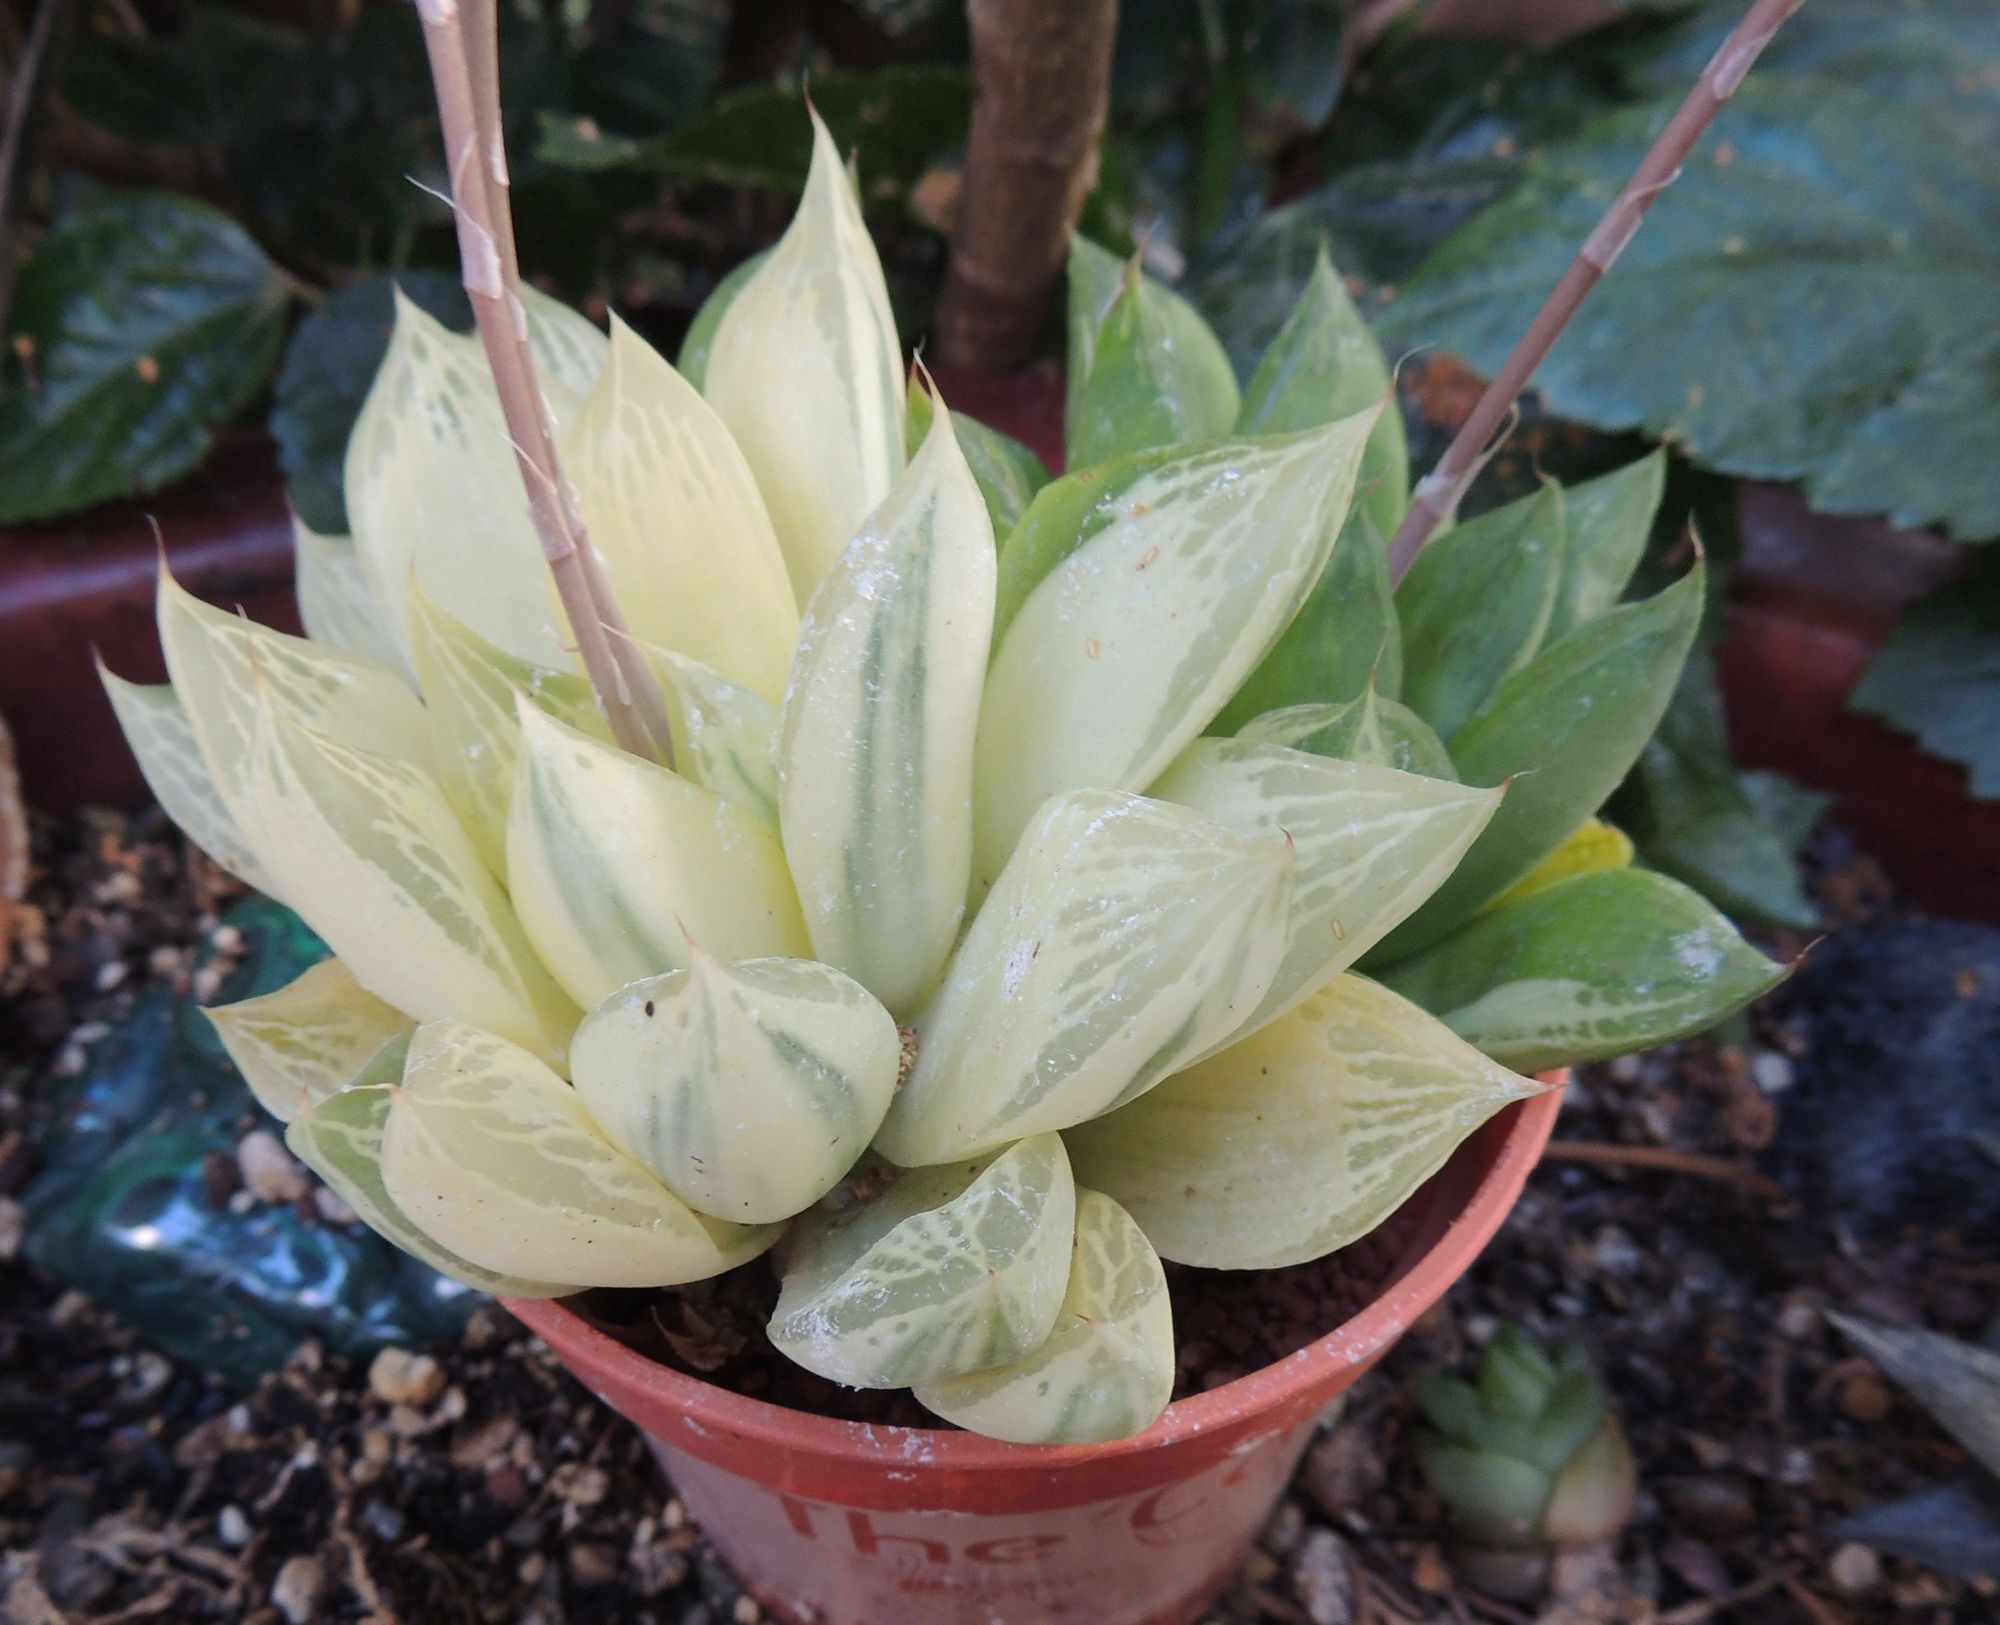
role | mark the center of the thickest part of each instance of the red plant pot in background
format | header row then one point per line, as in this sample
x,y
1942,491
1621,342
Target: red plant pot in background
x,y
840,1523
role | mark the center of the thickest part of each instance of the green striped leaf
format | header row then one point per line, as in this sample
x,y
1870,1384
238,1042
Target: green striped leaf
x,y
1381,732
1300,1139
1105,1372
748,1089
725,736
1007,472
309,1039
875,751
950,1269
692,362
494,1157
1125,937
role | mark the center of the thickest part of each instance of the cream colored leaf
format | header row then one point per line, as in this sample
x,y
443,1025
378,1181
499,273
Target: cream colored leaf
x,y
367,849
1130,644
806,370
617,865
1105,1372
340,1139
1300,1139
308,1039
725,737
495,1158
748,1088
1125,937
157,727
1372,844
335,601
569,349
949,1270
875,756
675,515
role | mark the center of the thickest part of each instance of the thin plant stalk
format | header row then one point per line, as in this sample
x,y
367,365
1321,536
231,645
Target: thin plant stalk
x,y
1439,492
476,164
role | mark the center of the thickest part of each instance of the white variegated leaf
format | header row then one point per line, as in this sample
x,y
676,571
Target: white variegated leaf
x,y
674,513
494,1157
875,755
1369,729
950,1269
340,1139
568,348
335,601
1126,937
749,1088
725,737
368,850
617,866
1105,1372
157,727
308,1039
806,370
1372,844
1130,644
1301,1138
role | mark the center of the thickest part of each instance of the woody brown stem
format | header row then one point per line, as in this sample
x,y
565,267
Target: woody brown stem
x,y
462,47
1041,74
1439,493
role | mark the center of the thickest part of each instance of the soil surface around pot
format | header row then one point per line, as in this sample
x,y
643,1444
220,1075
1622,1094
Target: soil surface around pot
x,y
476,1482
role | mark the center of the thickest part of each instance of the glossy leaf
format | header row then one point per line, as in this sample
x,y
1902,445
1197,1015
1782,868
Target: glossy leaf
x,y
1105,1372
950,1269
725,736
1939,674
1125,936
875,751
1009,474
1593,846
495,1158
1594,966
692,362
308,1040
748,1089
336,604
1300,1139
1382,733
1606,522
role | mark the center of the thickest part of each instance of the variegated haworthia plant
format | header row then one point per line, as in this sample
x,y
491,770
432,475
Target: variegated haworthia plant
x,y
1052,877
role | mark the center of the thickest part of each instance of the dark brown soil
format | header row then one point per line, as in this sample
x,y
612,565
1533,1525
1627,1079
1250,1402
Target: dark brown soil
x,y
488,1486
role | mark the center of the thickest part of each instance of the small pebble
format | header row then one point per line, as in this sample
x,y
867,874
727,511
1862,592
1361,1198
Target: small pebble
x,y
269,1171
580,1484
1798,1320
332,1207
295,1592
592,1563
232,1527
13,1226
1772,1071
1864,1397
399,1377
1854,1568
1324,1579
746,1611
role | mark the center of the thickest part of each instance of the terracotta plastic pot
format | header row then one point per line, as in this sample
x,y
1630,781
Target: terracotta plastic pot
x,y
839,1523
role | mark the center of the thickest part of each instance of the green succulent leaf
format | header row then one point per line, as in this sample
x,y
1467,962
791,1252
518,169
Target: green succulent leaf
x,y
1372,730
1107,1369
1958,1384
725,736
309,1040
1144,369
1494,1498
1600,965
950,1270
692,362
1008,473
1606,522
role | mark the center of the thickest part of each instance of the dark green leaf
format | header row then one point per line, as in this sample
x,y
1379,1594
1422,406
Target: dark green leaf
x,y
1957,1383
1564,731
1954,1527
1605,525
327,372
1595,966
1008,473
143,323
1475,607
1144,369
693,362
1938,677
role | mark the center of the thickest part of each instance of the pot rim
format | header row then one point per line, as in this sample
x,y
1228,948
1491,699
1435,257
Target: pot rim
x,y
1524,1129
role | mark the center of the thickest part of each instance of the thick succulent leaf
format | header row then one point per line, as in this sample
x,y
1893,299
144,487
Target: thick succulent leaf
x,y
471,692
433,490
806,370
875,752
1144,368
1370,844
617,866
495,1158
1325,364
1594,845
1344,637
1958,1384
951,1269
673,510
368,850
569,349
1606,522
1105,1372
692,362
749,1089
335,601
308,1040
1383,733
1300,1139
1476,605
340,1139
725,736
1125,936
162,738
1495,1498
1142,597
1594,966
1564,730
1009,474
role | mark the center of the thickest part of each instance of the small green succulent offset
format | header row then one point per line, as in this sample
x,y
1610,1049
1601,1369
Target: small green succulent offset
x,y
1027,837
